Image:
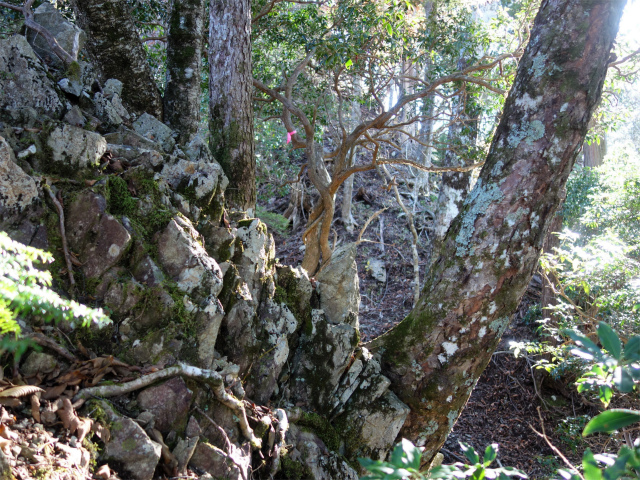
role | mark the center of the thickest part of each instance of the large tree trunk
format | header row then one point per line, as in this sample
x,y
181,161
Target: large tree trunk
x,y
116,47
455,186
435,356
230,106
184,66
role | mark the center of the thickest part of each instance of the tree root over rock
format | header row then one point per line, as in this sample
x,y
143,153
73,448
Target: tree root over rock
x,y
214,379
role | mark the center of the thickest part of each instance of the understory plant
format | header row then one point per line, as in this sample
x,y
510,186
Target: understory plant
x,y
25,293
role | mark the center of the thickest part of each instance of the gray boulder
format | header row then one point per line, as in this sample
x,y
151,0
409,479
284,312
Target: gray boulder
x,y
130,447
24,83
339,287
153,129
199,180
169,403
322,357
215,462
69,36
186,261
99,238
73,148
17,189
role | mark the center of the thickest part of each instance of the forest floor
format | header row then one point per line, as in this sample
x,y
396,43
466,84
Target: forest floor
x,y
507,402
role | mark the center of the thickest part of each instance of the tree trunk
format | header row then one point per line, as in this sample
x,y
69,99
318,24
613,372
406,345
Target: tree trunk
x,y
454,186
115,45
548,299
594,153
230,105
184,66
435,356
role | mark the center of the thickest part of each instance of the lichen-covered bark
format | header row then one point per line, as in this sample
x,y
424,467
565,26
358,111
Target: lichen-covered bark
x,y
455,186
230,90
184,66
115,45
434,357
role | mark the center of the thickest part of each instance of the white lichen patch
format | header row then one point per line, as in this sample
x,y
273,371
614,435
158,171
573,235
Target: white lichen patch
x,y
450,348
492,308
449,398
527,102
482,332
114,250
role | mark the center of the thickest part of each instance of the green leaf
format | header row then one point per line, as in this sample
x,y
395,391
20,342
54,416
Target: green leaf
x,y
349,63
490,454
590,467
623,380
632,348
389,28
413,454
611,420
605,393
470,453
610,340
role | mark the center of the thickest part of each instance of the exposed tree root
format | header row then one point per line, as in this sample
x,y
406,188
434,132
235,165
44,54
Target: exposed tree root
x,y
63,235
214,380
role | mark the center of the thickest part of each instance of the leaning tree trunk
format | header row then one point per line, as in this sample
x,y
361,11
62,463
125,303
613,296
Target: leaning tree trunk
x,y
455,186
116,47
435,356
184,66
230,90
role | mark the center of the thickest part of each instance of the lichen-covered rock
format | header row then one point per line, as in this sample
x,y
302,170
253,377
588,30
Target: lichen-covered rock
x,y
319,463
121,298
368,415
75,117
277,323
130,448
184,451
112,87
199,181
214,461
294,289
17,189
69,37
147,272
133,139
24,82
99,238
339,287
74,148
38,363
106,111
186,261
153,129
372,427
169,403
323,355
218,241
255,266
377,269
208,319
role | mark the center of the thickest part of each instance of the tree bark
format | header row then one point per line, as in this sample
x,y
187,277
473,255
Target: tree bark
x,y
435,356
230,91
184,67
115,45
454,186
594,154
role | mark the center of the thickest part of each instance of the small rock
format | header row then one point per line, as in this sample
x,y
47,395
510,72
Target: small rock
x,y
38,362
72,87
75,147
112,87
169,403
193,428
70,37
17,189
377,269
153,129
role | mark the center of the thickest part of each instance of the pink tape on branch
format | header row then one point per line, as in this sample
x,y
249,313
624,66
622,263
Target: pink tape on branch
x,y
289,136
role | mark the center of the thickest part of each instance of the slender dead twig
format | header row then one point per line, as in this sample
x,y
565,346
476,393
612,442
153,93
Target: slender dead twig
x,y
555,449
364,227
65,247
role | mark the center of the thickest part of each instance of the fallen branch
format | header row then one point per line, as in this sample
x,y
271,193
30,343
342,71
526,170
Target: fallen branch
x,y
214,379
65,247
46,342
554,448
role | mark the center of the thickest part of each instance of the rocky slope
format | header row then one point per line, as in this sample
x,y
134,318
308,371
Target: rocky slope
x,y
192,290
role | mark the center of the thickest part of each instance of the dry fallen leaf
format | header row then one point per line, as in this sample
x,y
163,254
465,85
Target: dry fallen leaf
x,y
35,408
20,391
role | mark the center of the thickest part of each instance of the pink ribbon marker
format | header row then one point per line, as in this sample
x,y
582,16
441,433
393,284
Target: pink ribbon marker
x,y
289,136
